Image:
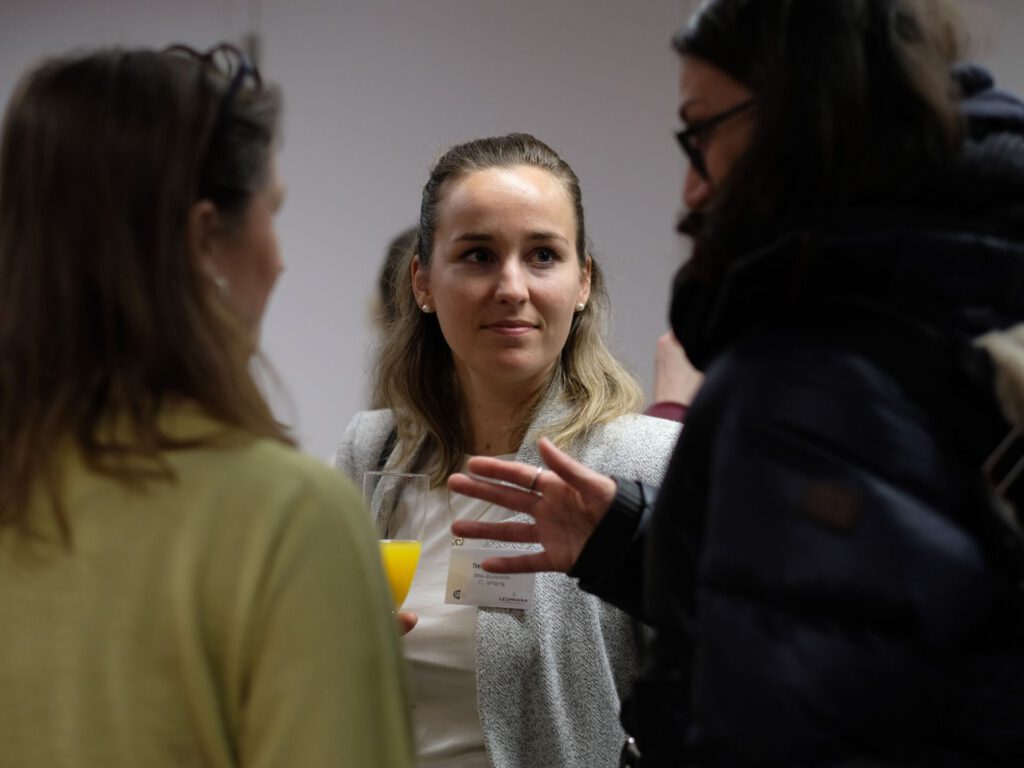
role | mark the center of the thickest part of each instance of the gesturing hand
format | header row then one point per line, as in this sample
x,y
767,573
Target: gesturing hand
x,y
567,501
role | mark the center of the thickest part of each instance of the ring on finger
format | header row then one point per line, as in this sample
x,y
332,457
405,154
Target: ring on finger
x,y
533,481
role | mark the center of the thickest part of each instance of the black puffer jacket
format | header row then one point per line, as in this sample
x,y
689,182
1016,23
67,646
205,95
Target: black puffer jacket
x,y
819,567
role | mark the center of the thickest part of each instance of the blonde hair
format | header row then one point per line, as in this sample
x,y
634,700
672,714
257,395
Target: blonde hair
x,y
416,375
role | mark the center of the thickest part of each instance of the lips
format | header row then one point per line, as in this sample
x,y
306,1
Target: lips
x,y
510,327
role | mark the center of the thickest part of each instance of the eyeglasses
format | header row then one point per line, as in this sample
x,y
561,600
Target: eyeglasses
x,y
229,61
690,138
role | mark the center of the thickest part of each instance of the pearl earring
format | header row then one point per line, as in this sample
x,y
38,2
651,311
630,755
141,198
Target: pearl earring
x,y
580,307
222,285
425,308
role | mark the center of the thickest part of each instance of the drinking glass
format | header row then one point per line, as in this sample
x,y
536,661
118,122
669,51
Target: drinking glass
x,y
396,500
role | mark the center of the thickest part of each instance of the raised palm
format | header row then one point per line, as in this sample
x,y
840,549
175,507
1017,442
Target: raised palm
x,y
567,501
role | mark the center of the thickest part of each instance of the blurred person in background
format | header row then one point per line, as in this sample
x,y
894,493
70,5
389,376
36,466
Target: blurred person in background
x,y
385,308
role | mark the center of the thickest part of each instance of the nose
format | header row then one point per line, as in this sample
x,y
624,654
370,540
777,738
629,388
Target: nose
x,y
696,190
511,287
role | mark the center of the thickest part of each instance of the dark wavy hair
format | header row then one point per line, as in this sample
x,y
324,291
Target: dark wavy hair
x,y
106,314
855,105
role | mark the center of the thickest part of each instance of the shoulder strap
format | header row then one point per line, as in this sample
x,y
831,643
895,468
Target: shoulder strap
x,y
388,449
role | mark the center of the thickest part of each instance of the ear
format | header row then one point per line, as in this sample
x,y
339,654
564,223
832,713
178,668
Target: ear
x,y
584,294
205,240
421,283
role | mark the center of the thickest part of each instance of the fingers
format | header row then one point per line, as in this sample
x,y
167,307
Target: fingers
x,y
520,475
524,476
667,346
520,500
406,621
675,378
509,483
589,484
517,533
564,465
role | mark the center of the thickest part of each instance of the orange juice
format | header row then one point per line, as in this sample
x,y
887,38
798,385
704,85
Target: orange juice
x,y
399,558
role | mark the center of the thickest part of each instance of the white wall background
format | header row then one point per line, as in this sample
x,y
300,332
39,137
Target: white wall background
x,y
376,89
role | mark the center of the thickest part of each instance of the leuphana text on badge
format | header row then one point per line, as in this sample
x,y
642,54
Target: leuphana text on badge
x,y
516,600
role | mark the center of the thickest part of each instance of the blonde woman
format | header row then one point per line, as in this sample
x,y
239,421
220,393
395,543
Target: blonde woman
x,y
498,343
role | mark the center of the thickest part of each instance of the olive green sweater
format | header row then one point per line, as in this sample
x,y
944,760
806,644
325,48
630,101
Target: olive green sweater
x,y
234,617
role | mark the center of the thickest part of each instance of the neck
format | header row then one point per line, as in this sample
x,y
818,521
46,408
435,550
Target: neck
x,y
493,415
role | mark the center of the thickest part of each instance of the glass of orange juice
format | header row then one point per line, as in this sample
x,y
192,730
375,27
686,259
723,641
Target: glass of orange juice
x,y
396,501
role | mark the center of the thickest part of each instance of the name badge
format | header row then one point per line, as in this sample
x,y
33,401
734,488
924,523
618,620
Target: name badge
x,y
469,584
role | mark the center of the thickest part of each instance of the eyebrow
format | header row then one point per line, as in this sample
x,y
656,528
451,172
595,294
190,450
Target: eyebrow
x,y
481,237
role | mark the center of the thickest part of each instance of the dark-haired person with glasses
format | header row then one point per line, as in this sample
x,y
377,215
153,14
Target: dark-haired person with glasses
x,y
697,137
178,585
828,575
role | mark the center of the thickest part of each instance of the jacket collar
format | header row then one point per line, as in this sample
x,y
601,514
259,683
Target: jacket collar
x,y
968,282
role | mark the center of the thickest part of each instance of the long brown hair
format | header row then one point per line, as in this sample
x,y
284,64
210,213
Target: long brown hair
x,y
417,375
855,104
106,316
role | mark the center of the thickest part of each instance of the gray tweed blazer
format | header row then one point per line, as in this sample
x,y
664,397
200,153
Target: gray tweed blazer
x,y
549,679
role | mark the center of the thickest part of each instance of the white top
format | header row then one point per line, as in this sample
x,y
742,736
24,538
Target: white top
x,y
441,649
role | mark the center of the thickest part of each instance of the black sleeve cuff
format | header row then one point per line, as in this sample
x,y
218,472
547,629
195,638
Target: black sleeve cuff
x,y
615,533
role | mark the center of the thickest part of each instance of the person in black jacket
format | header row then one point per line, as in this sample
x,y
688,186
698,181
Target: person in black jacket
x,y
821,568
